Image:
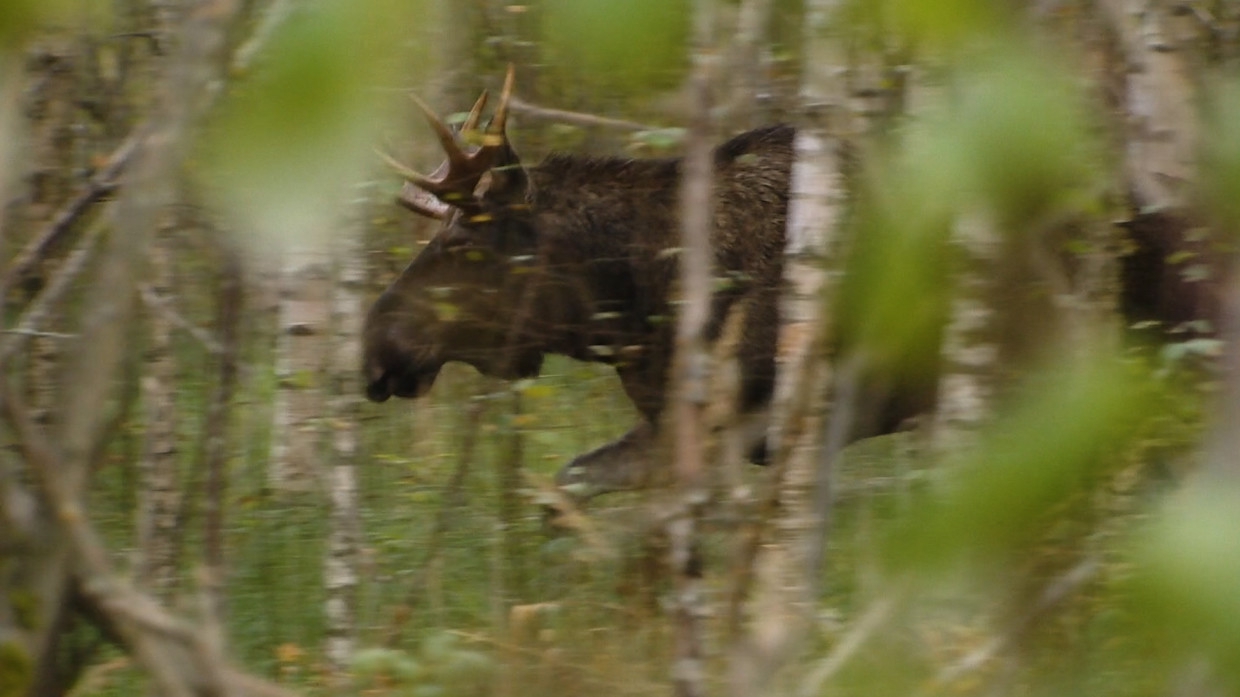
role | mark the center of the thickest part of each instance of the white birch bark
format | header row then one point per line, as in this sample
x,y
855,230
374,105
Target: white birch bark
x,y
340,574
1160,98
970,350
159,496
780,608
692,363
303,325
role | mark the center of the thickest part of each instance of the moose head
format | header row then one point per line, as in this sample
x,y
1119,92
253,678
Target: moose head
x,y
459,298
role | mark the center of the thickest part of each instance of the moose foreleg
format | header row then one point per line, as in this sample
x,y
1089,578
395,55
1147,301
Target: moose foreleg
x,y
621,465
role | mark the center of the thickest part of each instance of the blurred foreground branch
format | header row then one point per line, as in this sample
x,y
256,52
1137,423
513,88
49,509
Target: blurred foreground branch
x,y
177,654
101,184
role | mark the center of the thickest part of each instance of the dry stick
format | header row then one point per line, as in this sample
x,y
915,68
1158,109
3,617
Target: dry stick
x,y
96,188
38,311
164,306
838,426
575,118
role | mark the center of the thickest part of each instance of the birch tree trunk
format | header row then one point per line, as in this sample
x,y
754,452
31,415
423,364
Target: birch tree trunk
x,y
54,81
41,579
304,320
691,366
1160,100
743,106
159,495
970,350
782,600
340,574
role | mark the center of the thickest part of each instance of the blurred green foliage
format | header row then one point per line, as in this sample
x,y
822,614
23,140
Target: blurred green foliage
x,y
626,47
1187,569
299,130
1055,442
22,19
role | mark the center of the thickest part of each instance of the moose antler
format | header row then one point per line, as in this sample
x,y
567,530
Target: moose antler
x,y
453,182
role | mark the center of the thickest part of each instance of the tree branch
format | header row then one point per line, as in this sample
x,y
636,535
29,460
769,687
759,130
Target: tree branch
x,y
575,118
37,311
103,183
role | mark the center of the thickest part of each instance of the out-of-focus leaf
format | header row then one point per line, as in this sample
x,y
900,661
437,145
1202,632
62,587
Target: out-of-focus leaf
x,y
1187,571
1022,122
630,45
298,131
894,294
1001,493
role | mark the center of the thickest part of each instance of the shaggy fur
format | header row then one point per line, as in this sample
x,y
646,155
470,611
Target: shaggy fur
x,y
579,257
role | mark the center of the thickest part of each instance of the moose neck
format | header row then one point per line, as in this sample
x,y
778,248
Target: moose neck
x,y
604,227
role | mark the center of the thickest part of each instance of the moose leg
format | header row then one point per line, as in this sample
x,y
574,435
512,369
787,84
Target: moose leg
x,y
622,465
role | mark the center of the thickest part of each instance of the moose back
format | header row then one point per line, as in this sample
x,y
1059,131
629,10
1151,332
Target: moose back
x,y
577,256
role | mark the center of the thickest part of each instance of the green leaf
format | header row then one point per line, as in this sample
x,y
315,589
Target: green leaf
x,y
1001,494
1024,125
296,134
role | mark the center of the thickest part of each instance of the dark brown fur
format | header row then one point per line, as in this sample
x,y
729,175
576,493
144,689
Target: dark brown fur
x,y
579,258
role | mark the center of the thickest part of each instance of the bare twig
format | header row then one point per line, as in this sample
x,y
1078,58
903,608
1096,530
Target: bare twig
x,y
874,617
35,334
38,310
164,306
103,183
575,118
838,427
511,576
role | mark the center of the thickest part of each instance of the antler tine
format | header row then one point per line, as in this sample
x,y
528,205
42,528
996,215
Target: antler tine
x,y
446,138
501,112
453,183
430,183
421,202
471,121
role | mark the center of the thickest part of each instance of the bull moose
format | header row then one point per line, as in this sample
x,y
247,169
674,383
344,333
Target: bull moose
x,y
576,256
